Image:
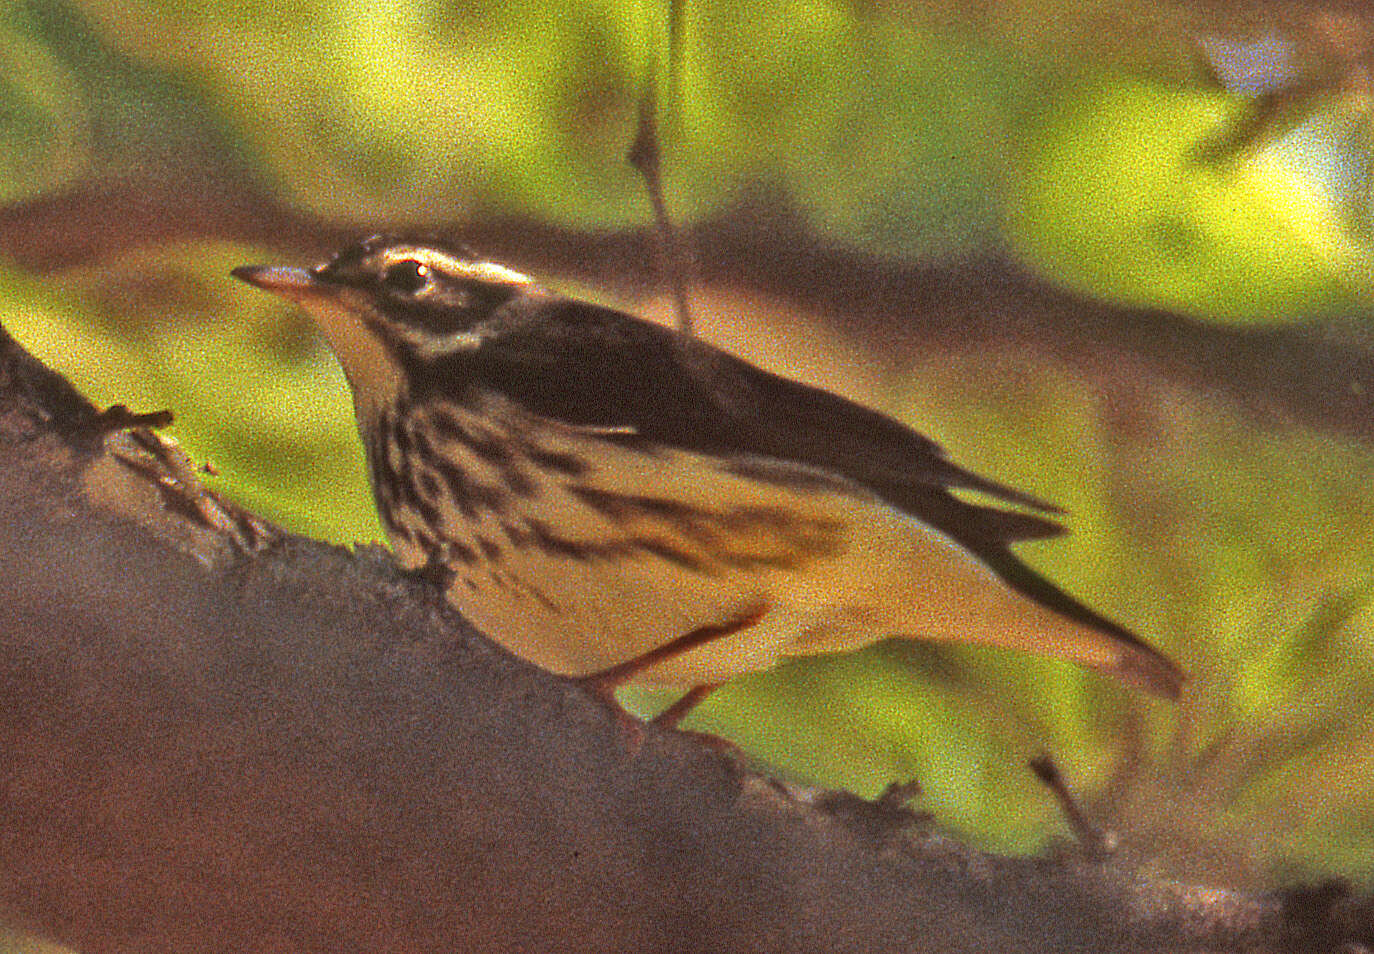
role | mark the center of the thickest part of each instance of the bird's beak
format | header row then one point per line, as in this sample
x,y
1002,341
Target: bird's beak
x,y
341,313
295,284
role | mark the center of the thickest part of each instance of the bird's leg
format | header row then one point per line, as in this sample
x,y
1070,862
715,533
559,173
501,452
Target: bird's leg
x,y
675,713
603,684
613,677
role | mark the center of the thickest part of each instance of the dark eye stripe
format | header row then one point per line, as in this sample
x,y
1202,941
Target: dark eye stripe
x,y
408,276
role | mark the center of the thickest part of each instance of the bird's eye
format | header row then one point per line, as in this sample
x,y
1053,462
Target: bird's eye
x,y
408,276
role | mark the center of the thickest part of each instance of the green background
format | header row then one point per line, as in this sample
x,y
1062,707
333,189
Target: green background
x,y
924,134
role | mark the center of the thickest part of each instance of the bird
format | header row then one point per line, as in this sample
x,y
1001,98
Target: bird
x,y
621,503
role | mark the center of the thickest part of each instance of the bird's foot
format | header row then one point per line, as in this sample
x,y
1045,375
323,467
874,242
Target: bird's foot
x,y
603,684
632,729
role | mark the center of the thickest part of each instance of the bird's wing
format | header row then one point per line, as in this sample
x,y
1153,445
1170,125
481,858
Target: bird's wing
x,y
588,366
595,367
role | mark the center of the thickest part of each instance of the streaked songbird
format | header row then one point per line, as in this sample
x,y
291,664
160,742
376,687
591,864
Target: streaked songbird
x,y
616,501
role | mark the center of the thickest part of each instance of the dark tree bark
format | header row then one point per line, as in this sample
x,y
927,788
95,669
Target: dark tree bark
x,y
215,736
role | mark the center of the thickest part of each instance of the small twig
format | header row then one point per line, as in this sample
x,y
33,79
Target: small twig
x,y
1094,839
1341,56
880,819
646,157
118,417
167,467
677,34
895,796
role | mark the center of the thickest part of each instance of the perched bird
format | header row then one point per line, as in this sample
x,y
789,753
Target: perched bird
x,y
613,500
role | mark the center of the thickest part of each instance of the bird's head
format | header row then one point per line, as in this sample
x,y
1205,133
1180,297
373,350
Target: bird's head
x,y
388,304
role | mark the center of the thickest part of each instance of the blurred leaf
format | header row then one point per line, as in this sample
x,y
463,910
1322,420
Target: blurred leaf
x,y
44,120
1111,202
271,413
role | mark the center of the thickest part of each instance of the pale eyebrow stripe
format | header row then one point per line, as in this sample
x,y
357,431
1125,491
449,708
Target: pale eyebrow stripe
x,y
443,262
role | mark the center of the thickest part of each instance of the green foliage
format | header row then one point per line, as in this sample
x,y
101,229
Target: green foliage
x,y
1240,548
1113,199
889,136
256,395
884,136
43,121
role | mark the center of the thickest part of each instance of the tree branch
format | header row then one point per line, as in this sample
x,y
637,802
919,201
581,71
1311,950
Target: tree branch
x,y
1316,375
218,736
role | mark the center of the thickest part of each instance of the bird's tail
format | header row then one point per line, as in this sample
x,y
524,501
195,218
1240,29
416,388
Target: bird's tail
x,y
935,590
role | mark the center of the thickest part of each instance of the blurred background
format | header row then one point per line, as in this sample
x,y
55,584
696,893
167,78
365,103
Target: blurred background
x,y
1116,253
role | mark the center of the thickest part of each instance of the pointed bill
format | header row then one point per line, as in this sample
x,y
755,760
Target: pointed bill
x,y
372,373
